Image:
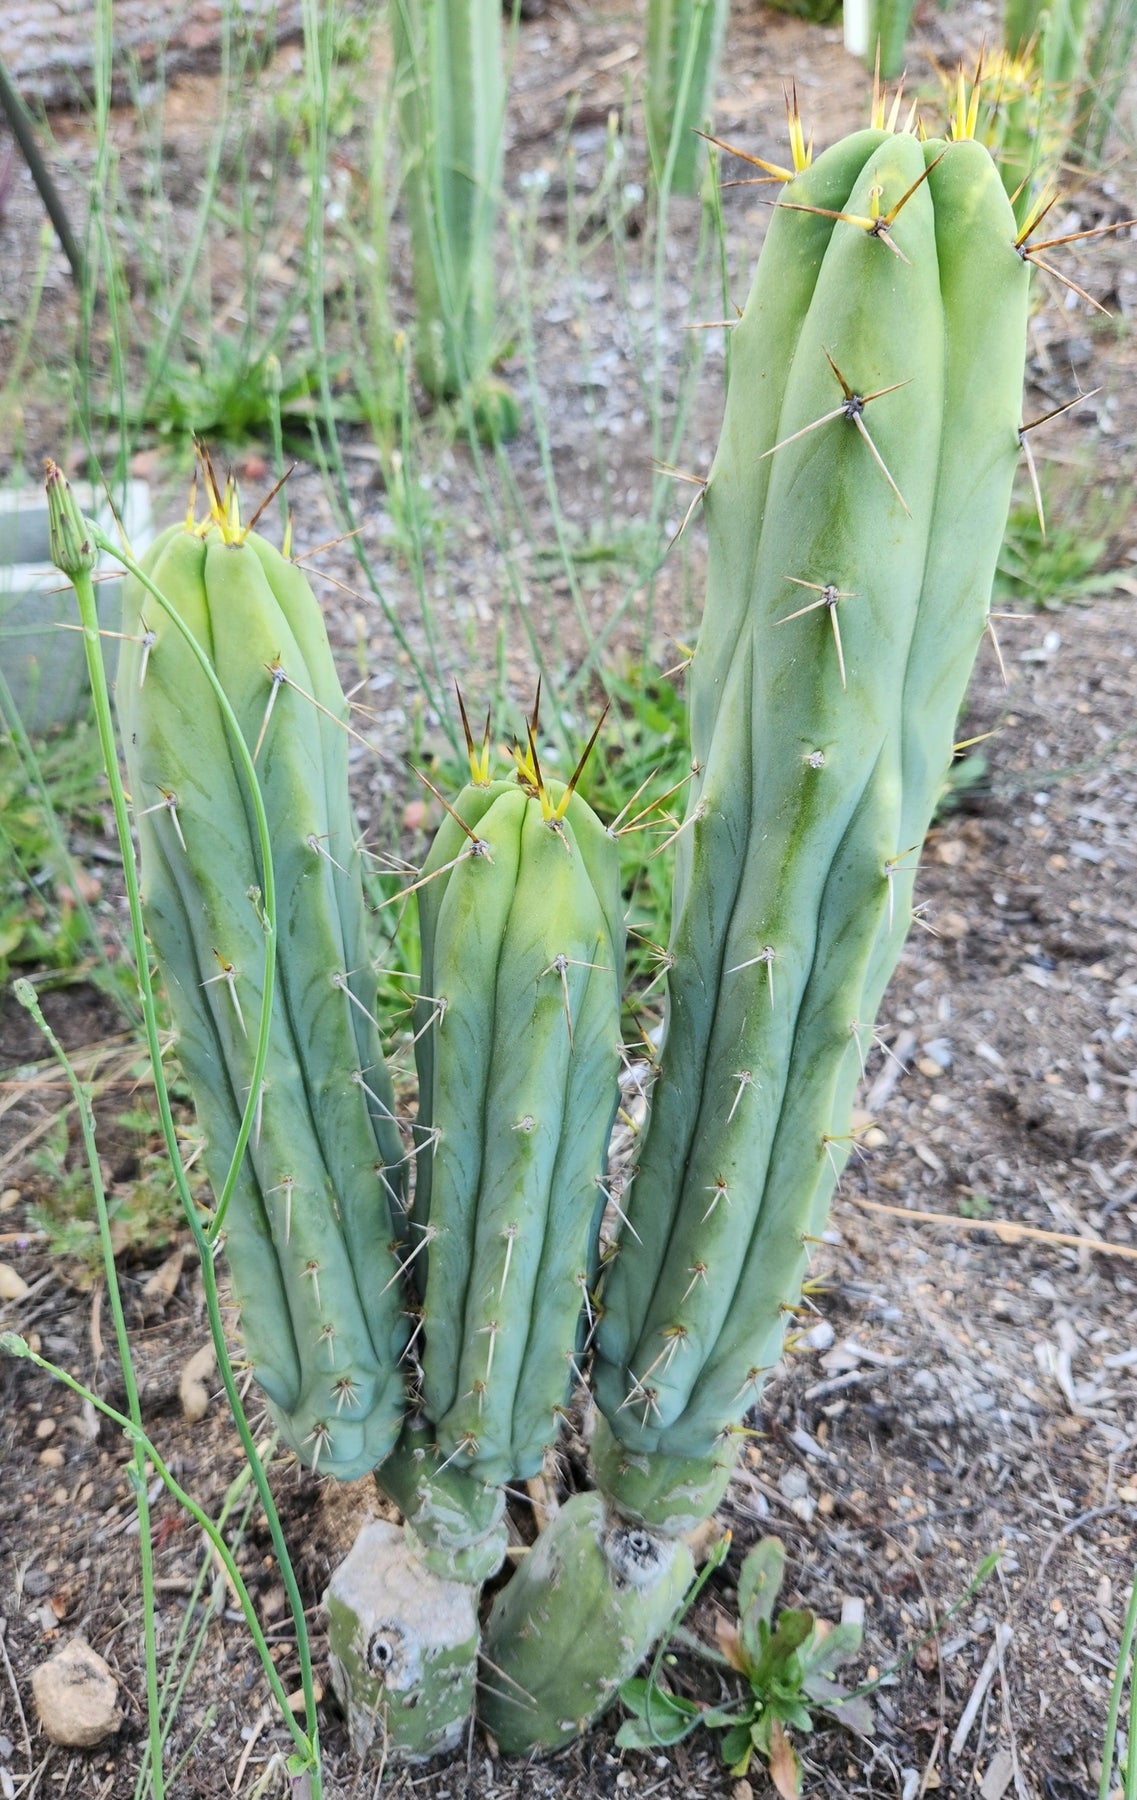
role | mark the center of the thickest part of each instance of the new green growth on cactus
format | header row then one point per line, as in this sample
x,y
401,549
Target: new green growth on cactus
x,y
310,1222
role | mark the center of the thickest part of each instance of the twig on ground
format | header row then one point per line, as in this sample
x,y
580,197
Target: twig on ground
x,y
1022,1791
1068,1530
1006,1230
259,1724
991,1661
20,1714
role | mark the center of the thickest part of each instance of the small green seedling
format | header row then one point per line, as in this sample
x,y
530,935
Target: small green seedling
x,y
788,1664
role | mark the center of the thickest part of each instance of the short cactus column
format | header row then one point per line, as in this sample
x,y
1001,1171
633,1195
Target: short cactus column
x,y
518,1045
517,1040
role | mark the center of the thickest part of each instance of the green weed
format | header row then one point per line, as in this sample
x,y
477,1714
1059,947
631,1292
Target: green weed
x,y
787,1664
142,1206
1067,561
975,1206
47,791
351,84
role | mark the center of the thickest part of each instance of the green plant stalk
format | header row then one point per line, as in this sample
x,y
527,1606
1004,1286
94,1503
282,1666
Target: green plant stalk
x,y
14,1345
207,1722
1047,39
26,995
191,265
14,726
545,452
88,611
666,184
1108,62
1125,1668
14,378
170,1696
1058,30
273,377
327,449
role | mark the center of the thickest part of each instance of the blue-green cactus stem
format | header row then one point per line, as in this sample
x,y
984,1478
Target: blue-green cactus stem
x,y
776,312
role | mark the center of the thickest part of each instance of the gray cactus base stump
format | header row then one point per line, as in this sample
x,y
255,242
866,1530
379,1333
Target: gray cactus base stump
x,y
403,1648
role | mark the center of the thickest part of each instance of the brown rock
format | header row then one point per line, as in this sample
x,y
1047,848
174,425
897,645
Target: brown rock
x,y
76,1697
192,1387
12,1284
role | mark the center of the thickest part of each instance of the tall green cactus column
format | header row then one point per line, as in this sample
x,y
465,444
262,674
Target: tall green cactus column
x,y
854,514
311,1224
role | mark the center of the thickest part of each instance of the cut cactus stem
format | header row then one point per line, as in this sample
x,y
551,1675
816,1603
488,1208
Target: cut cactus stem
x,y
579,1616
402,1648
667,1494
309,1229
